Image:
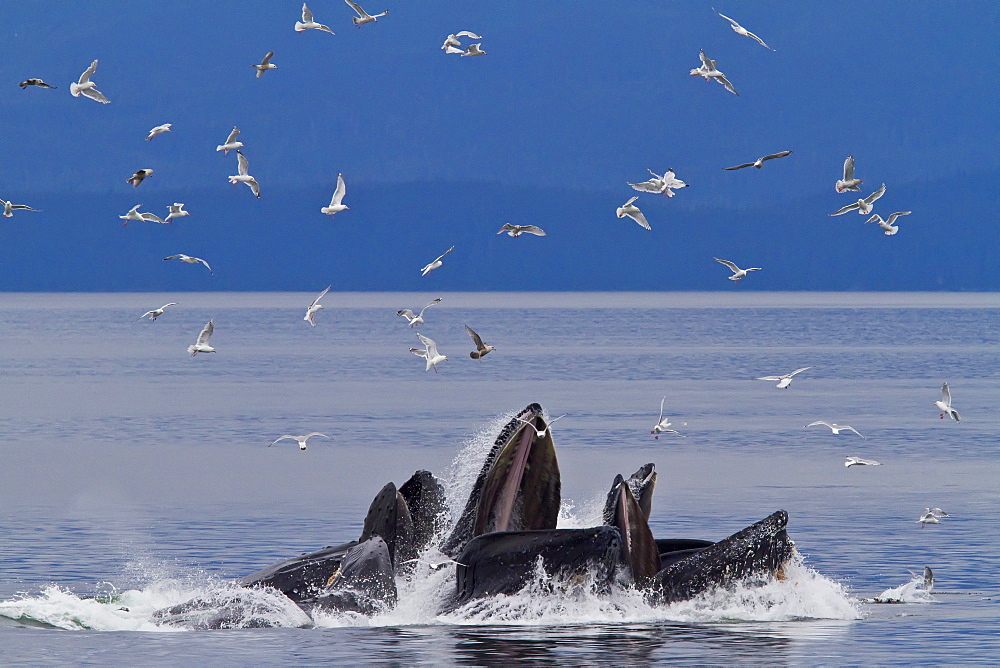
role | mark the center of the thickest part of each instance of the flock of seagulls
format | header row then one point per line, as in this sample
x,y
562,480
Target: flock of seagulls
x,y
665,185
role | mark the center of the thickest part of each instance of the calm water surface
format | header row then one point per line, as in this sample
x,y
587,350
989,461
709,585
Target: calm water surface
x,y
132,476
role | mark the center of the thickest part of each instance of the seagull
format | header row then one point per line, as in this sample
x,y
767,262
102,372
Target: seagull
x,y
338,197
315,306
201,345
242,165
190,260
857,461
137,178
663,424
708,71
134,214
660,184
474,50
543,432
632,211
834,427
9,208
159,130
301,439
759,162
176,211
307,22
452,40
418,319
86,87
231,143
740,30
945,404
863,206
518,230
928,518
737,272
265,65
785,380
887,225
156,312
151,218
34,82
436,263
482,349
848,182
429,353
363,16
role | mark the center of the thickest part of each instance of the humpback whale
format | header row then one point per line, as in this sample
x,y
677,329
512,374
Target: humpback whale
x,y
505,533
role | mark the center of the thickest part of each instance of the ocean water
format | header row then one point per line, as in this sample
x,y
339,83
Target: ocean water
x,y
133,477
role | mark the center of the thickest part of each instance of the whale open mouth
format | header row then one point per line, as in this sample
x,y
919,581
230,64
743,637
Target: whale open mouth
x,y
522,490
518,488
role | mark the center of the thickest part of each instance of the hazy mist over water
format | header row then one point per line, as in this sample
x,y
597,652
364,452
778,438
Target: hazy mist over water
x,y
127,465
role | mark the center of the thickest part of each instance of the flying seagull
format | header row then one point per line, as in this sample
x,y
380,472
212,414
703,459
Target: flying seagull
x,y
363,16
663,425
338,197
201,345
471,50
482,349
307,22
848,182
737,272
418,319
857,461
300,439
135,214
138,177
944,404
436,263
632,211
34,82
159,130
156,312
518,230
834,427
86,87
310,316
9,208
429,353
265,65
660,184
176,211
887,225
190,260
452,40
231,143
928,517
863,206
740,30
759,162
243,166
540,433
709,72
784,380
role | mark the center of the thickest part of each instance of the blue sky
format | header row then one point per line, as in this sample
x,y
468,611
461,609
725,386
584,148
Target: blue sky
x,y
573,100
